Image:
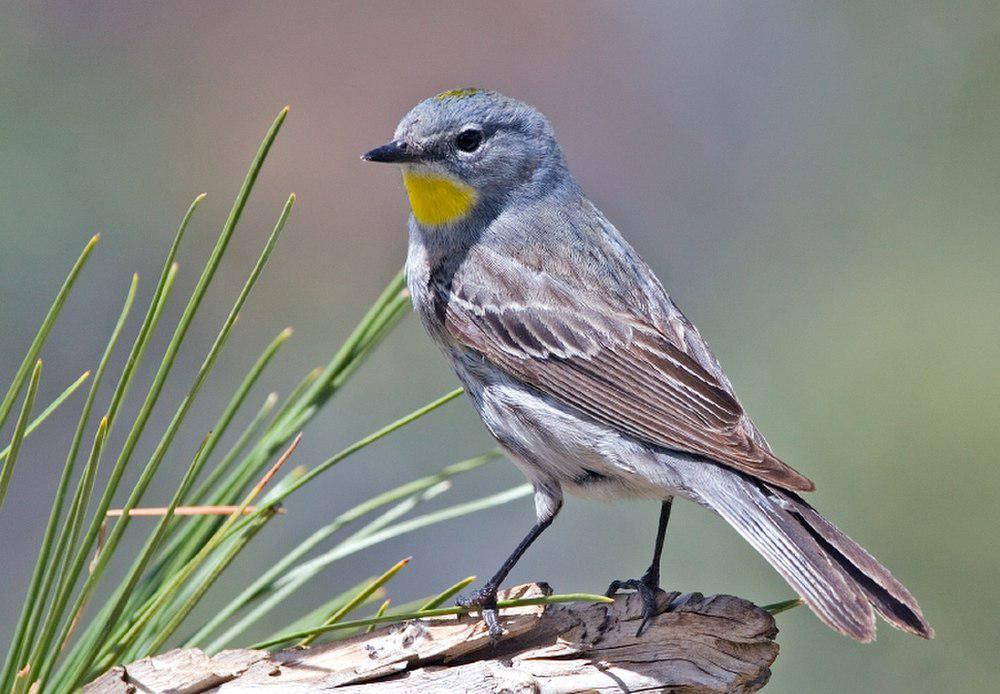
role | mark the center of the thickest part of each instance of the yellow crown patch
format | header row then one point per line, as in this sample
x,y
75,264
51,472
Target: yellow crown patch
x,y
458,93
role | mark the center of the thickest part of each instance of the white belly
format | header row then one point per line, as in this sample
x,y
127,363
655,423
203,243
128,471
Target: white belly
x,y
553,443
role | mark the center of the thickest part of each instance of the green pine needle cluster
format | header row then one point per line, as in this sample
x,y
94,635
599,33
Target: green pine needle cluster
x,y
64,637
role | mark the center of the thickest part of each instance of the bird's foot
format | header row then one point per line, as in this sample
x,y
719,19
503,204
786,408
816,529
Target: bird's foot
x,y
646,587
485,601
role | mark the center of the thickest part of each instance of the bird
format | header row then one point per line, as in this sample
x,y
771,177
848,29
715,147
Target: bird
x,y
585,371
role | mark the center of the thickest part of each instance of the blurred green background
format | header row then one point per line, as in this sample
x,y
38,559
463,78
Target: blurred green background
x,y
817,188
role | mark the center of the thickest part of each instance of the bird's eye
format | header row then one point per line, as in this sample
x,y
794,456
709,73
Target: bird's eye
x,y
469,140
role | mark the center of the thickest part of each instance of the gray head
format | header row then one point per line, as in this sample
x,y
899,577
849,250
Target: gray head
x,y
486,146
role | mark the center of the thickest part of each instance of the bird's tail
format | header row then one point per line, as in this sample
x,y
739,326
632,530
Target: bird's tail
x,y
840,581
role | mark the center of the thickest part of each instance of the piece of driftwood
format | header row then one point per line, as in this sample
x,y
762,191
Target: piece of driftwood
x,y
696,644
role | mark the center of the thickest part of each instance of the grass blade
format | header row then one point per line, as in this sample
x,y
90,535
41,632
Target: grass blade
x,y
52,407
292,579
145,555
183,547
198,496
180,561
45,570
344,549
446,594
43,651
19,428
302,406
262,583
319,613
359,599
163,371
179,613
186,545
324,386
372,438
313,392
43,332
171,587
378,613
423,614
34,661
784,605
356,446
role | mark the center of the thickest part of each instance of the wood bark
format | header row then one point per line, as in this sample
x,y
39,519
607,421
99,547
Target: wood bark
x,y
696,644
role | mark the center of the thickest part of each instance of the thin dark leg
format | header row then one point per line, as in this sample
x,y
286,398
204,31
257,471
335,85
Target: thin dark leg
x,y
650,581
486,597
653,572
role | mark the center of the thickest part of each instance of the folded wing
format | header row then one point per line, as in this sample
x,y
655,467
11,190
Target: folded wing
x,y
606,362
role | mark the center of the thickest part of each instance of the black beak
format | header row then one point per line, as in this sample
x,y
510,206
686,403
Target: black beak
x,y
393,153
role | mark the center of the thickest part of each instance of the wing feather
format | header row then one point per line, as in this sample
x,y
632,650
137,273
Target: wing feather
x,y
613,366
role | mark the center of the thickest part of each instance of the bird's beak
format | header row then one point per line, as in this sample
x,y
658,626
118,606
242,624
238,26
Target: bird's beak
x,y
396,152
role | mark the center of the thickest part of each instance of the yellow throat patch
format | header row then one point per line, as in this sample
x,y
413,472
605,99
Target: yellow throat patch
x,y
437,200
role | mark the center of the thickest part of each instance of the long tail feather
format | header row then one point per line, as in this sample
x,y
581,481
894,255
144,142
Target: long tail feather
x,y
840,581
888,596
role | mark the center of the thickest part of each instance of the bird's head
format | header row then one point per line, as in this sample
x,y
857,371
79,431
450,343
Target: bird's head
x,y
469,147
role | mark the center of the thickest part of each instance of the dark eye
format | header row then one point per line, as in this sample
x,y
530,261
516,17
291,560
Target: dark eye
x,y
469,140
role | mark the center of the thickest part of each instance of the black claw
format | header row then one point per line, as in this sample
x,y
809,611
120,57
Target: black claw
x,y
485,601
647,593
492,623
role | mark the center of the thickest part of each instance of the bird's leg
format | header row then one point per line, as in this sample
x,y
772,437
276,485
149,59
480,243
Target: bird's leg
x,y
547,505
650,581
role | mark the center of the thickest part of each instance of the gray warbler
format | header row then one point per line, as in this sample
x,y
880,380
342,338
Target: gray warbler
x,y
585,371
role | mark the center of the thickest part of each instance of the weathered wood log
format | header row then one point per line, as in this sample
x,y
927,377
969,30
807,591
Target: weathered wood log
x,y
696,644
